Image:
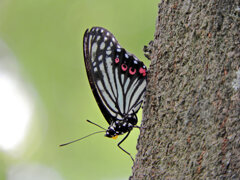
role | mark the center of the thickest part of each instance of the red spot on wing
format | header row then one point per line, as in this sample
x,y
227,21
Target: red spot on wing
x,y
132,71
142,71
124,67
117,60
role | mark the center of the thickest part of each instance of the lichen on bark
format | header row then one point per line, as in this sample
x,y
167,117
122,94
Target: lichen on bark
x,y
191,117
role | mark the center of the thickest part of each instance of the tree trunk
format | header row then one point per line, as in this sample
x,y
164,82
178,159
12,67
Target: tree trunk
x,y
191,117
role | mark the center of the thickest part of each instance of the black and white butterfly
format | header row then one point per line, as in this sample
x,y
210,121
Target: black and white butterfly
x,y
117,79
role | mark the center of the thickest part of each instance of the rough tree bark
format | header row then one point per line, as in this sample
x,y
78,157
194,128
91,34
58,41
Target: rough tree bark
x,y
191,117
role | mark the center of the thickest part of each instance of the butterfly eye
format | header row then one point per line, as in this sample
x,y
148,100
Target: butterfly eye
x,y
124,67
110,132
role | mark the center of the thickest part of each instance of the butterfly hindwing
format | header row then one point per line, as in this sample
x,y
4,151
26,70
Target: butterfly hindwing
x,y
117,78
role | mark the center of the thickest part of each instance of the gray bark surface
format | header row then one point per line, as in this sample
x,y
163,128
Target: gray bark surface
x,y
191,117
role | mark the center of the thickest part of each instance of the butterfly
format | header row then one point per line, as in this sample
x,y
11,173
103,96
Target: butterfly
x,y
117,79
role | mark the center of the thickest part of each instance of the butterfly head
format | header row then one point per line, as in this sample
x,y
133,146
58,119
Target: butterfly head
x,y
118,127
111,132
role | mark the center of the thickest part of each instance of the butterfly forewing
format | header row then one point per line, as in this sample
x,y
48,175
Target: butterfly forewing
x,y
117,78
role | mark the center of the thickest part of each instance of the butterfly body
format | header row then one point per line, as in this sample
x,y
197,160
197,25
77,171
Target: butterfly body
x,y
120,127
117,79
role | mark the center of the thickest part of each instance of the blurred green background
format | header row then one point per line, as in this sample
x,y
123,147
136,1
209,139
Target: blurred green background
x,y
41,55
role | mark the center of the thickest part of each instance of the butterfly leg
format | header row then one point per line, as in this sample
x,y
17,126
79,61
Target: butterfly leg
x,y
124,149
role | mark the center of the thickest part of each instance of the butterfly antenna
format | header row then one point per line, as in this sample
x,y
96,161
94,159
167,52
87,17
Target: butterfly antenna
x,y
81,138
95,124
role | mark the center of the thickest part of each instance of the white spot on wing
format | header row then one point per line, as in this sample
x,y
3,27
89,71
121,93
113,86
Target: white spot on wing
x,y
102,46
94,49
126,55
89,43
118,50
108,52
122,78
90,38
101,66
100,57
